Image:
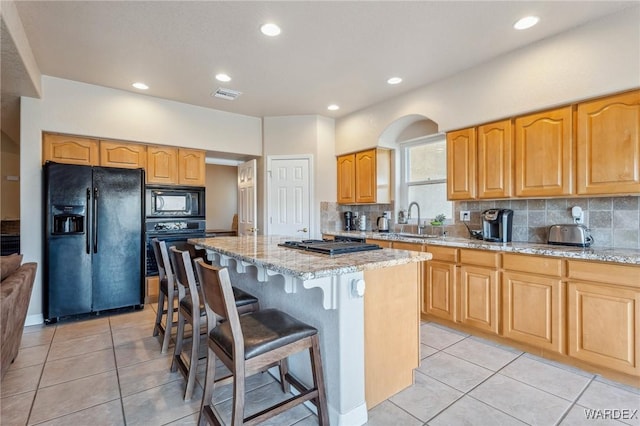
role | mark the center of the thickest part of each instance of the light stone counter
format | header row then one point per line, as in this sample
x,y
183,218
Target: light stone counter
x,y
326,292
606,254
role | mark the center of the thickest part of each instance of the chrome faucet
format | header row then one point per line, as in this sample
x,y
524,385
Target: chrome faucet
x,y
413,203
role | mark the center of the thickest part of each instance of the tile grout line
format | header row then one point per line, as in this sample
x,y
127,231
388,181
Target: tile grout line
x,y
115,361
33,401
575,401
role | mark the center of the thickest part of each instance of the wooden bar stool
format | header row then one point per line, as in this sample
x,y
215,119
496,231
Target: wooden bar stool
x,y
167,292
251,343
191,311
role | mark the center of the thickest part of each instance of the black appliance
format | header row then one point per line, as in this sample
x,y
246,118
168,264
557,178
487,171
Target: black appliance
x,y
497,225
93,246
175,201
330,247
174,232
348,221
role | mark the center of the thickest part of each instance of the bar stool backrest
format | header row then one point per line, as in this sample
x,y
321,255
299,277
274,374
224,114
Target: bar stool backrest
x,y
164,265
219,301
183,270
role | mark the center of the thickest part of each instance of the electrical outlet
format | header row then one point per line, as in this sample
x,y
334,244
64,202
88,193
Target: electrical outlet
x,y
465,215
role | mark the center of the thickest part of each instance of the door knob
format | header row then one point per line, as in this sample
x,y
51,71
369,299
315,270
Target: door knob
x,y
303,230
253,229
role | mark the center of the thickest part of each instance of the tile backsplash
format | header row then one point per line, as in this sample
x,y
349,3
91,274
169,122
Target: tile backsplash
x,y
613,221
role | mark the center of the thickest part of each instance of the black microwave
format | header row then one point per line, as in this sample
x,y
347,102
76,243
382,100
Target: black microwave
x,y
175,201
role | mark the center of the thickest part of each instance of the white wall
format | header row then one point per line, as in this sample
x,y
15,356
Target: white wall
x,y
305,135
84,109
592,60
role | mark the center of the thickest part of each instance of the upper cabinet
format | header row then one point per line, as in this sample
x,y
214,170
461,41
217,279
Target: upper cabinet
x,y
191,167
609,145
591,148
365,177
347,179
495,164
461,164
70,150
123,154
543,153
163,164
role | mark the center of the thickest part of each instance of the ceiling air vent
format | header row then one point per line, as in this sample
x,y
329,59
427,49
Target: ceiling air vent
x,y
227,94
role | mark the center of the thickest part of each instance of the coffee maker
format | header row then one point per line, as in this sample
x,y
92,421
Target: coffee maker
x,y
497,225
348,221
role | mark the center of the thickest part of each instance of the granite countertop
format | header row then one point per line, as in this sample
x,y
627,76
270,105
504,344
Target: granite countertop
x,y
605,254
264,251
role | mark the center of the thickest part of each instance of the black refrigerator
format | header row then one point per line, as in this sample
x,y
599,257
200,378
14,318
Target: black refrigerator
x,y
94,248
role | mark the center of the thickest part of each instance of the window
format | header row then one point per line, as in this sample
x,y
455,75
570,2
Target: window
x,y
424,176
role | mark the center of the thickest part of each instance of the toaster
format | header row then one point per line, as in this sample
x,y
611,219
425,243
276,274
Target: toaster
x,y
569,235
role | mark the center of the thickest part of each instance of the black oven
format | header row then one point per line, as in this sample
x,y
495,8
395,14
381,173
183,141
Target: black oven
x,y
175,201
174,233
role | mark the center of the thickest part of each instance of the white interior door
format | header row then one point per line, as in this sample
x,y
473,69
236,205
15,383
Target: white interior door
x,y
289,197
247,214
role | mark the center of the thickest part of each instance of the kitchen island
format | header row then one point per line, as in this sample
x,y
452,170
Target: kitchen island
x,y
365,306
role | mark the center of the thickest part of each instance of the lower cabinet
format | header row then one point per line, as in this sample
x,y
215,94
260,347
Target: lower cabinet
x,y
479,290
533,303
604,320
439,283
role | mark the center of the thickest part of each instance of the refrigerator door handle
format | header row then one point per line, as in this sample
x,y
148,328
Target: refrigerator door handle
x,y
88,234
95,220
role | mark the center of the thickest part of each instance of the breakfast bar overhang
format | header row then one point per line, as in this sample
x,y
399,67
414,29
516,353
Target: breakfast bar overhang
x,y
365,306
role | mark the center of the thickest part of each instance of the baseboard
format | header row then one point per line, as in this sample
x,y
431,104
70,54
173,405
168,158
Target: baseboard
x,y
34,320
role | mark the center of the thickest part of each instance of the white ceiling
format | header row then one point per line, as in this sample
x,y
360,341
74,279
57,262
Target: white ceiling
x,y
328,52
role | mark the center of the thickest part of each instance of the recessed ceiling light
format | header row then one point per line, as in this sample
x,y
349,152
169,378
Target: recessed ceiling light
x,y
223,77
270,29
333,107
526,22
394,80
140,86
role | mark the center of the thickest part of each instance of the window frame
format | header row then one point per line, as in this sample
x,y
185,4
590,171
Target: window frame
x,y
404,170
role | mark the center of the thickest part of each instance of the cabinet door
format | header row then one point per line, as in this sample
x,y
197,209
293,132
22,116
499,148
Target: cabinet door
x,y
122,154
603,326
381,243
347,179
191,167
461,164
495,163
609,145
438,296
543,153
162,165
533,310
479,298
69,150
366,173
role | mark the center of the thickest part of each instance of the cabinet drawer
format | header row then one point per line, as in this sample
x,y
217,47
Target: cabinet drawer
x,y
407,246
480,258
533,264
381,243
602,272
445,254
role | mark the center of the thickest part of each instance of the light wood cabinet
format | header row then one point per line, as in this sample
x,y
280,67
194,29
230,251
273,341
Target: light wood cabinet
x,y
439,283
479,291
70,149
365,177
162,165
191,167
495,160
347,179
381,243
533,303
608,145
461,164
604,315
123,155
544,153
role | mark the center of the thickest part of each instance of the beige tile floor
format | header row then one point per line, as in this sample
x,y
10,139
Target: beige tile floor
x,y
109,371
